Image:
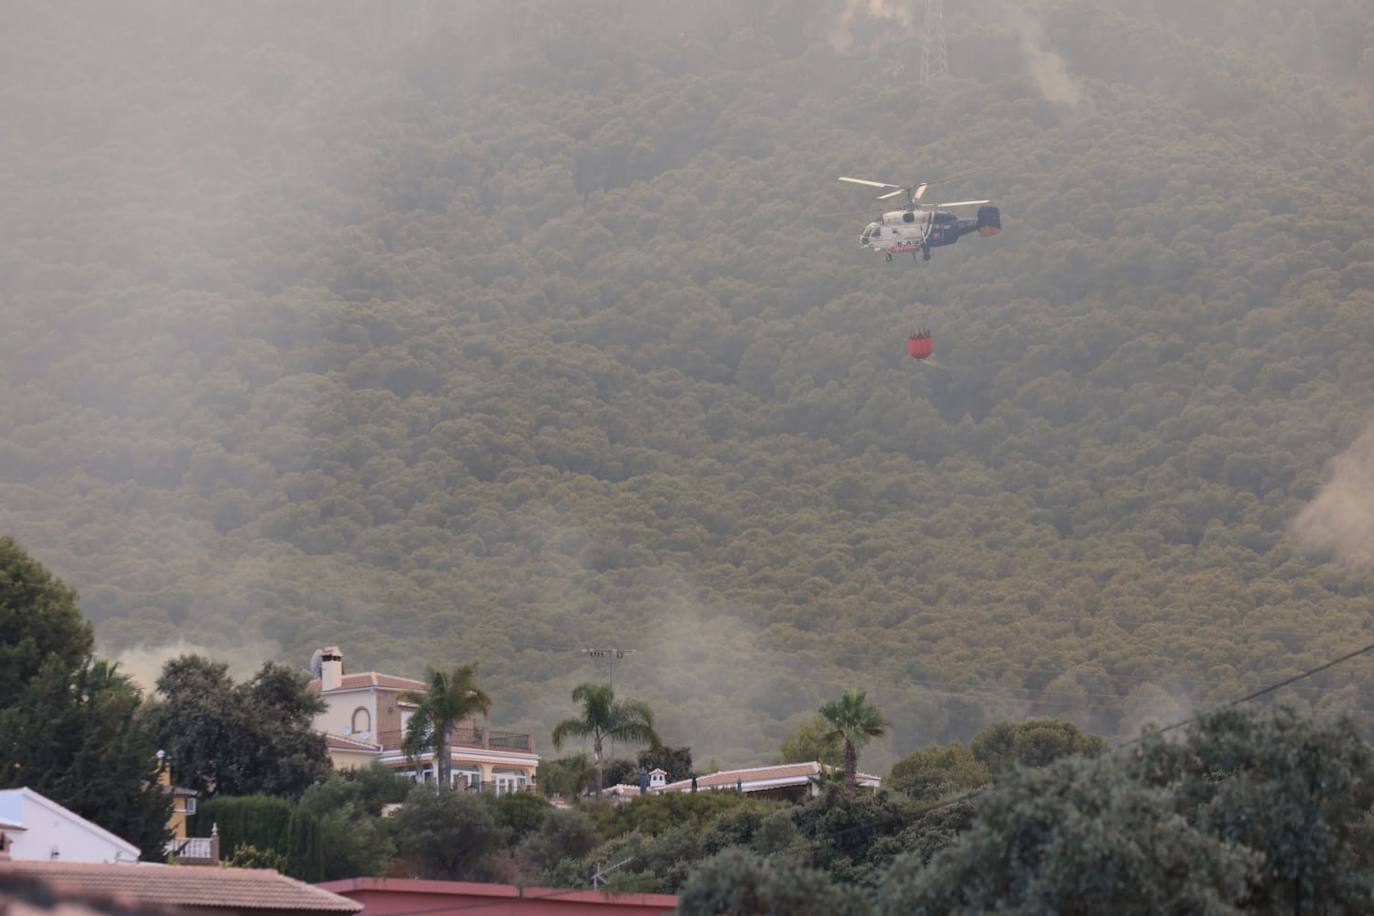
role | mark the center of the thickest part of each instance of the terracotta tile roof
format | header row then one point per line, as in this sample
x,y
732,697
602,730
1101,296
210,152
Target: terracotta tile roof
x,y
186,886
795,772
373,679
31,897
345,743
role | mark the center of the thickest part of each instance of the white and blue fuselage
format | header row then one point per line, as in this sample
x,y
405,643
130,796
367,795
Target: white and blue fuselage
x,y
901,231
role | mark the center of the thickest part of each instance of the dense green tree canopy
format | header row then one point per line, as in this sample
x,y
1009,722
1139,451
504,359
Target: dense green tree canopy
x,y
71,724
1296,791
569,776
675,761
813,740
1077,837
495,331
39,621
238,739
77,737
448,835
347,807
737,883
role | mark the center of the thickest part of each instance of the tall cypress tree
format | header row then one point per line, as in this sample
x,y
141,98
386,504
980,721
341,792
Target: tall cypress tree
x,y
69,722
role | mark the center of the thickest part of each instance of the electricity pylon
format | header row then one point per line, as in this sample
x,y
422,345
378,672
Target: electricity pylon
x,y
934,57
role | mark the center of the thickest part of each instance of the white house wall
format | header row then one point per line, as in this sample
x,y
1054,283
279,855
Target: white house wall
x,y
49,828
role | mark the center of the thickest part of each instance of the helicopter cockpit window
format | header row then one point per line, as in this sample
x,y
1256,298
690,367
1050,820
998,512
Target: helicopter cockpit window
x,y
908,217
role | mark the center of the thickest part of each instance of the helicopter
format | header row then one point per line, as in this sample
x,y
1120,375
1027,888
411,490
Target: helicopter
x,y
921,227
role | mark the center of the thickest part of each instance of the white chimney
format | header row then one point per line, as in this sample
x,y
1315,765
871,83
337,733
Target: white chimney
x,y
657,779
331,668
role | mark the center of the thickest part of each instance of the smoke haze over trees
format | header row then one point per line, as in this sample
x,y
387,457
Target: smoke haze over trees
x,y
478,331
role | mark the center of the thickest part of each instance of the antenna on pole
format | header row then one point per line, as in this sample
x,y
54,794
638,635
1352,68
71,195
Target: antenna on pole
x,y
934,56
610,655
599,876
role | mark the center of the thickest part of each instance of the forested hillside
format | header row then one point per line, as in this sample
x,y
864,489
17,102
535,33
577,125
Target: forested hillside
x,y
483,332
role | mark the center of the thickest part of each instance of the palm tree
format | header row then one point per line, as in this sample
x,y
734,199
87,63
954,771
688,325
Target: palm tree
x,y
602,718
568,776
449,698
853,721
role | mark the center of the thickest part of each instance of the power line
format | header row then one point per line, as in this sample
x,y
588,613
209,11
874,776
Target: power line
x,y
969,793
1257,694
1157,679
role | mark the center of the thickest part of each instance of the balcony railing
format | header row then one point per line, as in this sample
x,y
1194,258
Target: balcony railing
x,y
467,737
196,850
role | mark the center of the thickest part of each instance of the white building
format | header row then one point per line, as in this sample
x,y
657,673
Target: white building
x,y
35,828
784,781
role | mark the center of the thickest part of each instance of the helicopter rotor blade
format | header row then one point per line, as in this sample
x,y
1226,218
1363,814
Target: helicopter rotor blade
x,y
895,193
920,190
954,176
871,184
962,203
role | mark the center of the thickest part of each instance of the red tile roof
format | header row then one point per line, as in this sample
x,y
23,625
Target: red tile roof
x,y
373,679
187,886
345,743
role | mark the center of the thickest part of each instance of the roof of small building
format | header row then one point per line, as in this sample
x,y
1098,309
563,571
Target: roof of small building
x,y
373,679
170,885
21,895
344,743
784,772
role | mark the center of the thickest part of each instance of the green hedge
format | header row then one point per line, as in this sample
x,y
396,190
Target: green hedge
x,y
266,823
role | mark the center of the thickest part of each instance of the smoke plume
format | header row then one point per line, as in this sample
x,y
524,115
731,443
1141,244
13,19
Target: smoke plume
x,y
1341,517
897,11
144,664
1049,70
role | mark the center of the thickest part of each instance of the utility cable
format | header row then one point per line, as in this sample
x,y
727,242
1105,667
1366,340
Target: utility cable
x,y
956,799
969,793
1254,696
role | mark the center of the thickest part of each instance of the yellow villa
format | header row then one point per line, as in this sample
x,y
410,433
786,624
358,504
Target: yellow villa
x,y
365,719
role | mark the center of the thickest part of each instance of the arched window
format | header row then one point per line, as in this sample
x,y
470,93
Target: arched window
x,y
362,721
